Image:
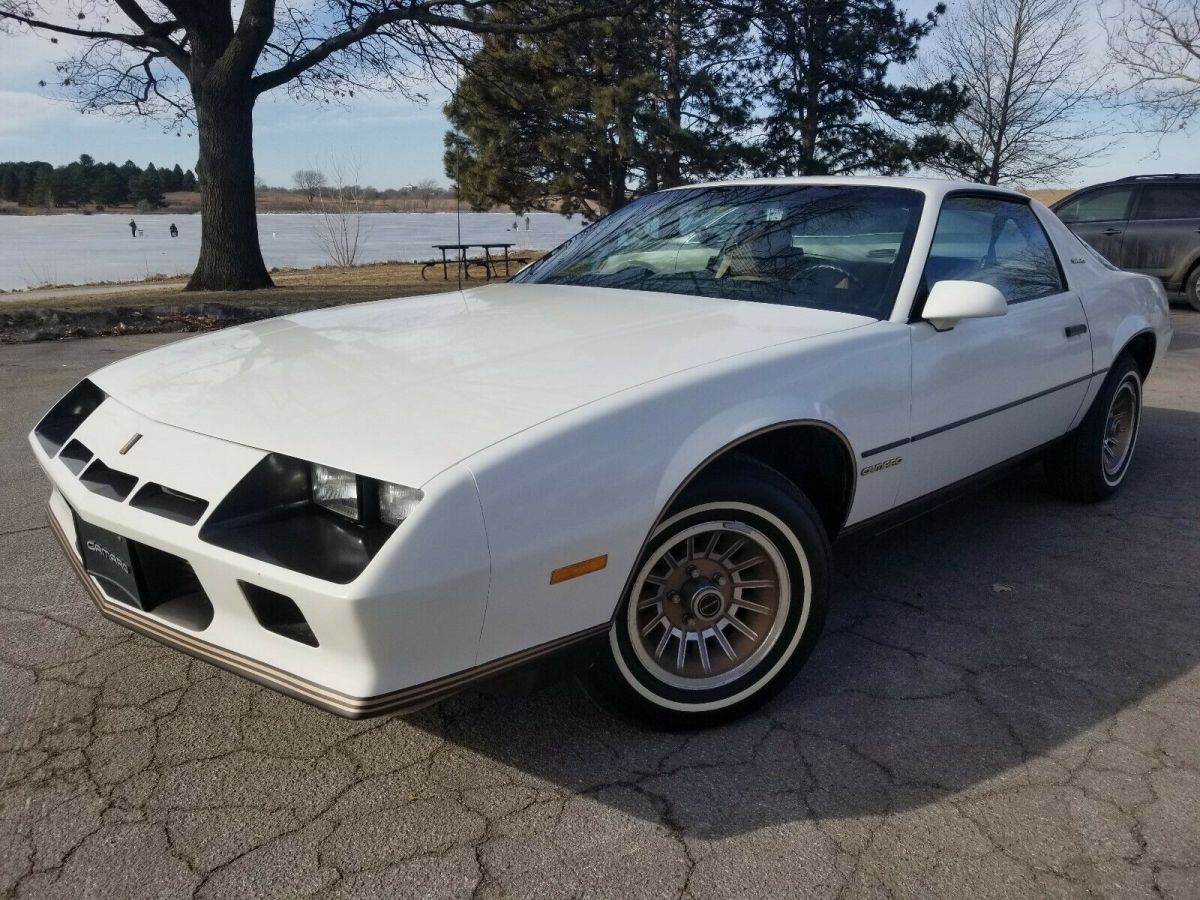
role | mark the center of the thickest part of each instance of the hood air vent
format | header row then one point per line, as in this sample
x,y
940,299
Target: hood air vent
x,y
169,504
106,482
75,456
66,415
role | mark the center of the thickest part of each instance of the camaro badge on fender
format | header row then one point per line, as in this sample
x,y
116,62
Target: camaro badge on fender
x,y
886,464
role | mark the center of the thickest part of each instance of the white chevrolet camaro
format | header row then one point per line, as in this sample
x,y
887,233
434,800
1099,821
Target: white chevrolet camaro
x,y
635,454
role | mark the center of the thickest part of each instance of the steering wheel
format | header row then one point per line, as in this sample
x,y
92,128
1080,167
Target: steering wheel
x,y
720,263
828,269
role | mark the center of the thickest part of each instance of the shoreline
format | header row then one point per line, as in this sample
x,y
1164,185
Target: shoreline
x,y
267,201
96,288
161,305
27,211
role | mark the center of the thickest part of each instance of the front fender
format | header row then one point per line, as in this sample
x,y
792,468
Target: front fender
x,y
593,482
736,425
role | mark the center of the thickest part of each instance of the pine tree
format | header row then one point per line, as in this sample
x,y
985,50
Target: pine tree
x,y
108,187
146,189
830,106
41,190
71,186
585,118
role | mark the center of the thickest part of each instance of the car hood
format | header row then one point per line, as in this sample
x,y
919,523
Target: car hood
x,y
402,389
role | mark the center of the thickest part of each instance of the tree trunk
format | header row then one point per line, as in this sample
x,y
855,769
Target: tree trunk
x,y
672,170
230,256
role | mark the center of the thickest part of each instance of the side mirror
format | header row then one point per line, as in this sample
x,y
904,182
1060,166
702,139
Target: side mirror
x,y
950,301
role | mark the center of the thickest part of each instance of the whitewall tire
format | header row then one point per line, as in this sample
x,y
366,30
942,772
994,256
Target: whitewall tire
x,y
1091,463
726,602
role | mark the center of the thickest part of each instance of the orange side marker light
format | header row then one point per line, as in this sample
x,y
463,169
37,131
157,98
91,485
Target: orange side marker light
x,y
574,570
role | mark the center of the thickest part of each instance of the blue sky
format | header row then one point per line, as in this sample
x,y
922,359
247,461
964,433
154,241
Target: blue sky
x,y
393,141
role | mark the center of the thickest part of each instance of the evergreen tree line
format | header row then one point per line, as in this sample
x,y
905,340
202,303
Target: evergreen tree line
x,y
587,117
88,183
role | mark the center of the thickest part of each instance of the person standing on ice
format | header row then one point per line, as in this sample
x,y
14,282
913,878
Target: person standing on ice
x,y
133,227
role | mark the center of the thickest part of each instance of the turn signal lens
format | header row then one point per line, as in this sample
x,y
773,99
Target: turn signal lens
x,y
336,490
397,502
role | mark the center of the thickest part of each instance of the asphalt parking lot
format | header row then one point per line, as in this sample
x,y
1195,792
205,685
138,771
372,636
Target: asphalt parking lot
x,y
1006,703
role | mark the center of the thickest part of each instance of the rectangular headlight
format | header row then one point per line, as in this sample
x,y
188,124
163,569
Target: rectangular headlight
x,y
336,490
397,502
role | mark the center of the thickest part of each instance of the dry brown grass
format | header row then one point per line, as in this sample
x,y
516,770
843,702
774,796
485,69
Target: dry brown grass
x,y
324,285
287,202
1048,195
186,202
165,306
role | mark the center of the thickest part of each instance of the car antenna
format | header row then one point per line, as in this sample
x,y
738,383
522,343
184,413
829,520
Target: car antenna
x,y
462,257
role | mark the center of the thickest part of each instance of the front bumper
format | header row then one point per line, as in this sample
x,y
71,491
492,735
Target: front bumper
x,y
402,634
255,670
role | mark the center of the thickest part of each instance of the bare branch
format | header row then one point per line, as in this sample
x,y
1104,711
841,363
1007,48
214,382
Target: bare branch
x,y
154,35
1031,98
423,14
1156,46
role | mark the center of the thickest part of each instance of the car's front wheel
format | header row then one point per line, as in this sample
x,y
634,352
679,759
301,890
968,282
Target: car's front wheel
x,y
724,606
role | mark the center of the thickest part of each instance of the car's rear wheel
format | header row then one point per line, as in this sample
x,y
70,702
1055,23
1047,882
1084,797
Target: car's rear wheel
x,y
1191,288
1092,462
724,606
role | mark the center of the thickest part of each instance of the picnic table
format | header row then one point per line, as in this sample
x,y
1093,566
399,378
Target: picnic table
x,y
460,259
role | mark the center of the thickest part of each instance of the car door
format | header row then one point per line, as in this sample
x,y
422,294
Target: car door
x,y
990,389
1164,232
1100,217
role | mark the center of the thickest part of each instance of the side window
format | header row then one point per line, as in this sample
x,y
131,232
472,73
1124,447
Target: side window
x,y
1097,206
995,241
1170,201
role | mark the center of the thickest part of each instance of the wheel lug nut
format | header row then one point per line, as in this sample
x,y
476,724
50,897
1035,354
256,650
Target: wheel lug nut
x,y
720,580
691,623
675,598
693,572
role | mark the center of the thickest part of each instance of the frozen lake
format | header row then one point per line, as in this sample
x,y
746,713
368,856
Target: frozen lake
x,y
76,249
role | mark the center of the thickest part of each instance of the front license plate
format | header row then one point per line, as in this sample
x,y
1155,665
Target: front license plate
x,y
108,557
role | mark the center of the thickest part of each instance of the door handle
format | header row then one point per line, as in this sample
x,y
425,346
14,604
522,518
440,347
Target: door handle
x,y
1111,231
1076,330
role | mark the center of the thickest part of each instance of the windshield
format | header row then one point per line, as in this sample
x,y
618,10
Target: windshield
x,y
819,246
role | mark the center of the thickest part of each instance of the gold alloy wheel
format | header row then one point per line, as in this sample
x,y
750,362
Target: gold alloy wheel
x,y
708,605
1120,429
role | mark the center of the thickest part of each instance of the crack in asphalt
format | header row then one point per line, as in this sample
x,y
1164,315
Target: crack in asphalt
x,y
24,530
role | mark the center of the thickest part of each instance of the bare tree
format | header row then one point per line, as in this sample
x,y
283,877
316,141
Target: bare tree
x,y
425,190
341,206
310,181
1156,43
1028,89
206,62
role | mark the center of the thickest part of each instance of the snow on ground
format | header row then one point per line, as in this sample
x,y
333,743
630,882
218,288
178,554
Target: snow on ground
x,y
78,249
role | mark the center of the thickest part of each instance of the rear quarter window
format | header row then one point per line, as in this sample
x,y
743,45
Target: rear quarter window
x,y
1170,201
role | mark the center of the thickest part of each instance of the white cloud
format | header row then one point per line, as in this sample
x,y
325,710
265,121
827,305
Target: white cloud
x,y
26,113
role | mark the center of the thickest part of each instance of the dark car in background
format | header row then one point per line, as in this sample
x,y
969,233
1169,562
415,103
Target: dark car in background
x,y
1144,223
